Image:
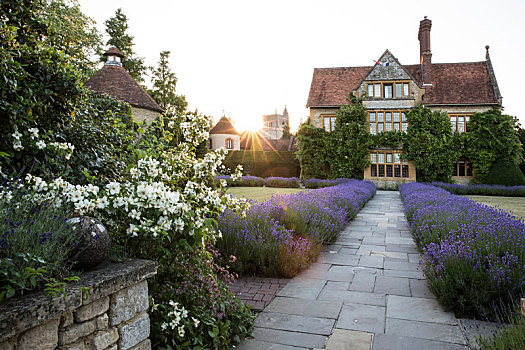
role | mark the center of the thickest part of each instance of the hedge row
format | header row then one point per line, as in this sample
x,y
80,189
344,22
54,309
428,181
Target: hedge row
x,y
264,163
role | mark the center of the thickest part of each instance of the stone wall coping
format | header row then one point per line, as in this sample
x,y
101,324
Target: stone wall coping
x,y
27,311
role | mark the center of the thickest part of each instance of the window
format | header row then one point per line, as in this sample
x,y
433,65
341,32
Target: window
x,y
387,164
329,123
211,144
460,123
462,168
388,89
381,121
229,144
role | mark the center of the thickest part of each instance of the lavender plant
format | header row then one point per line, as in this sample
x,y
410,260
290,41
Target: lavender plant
x,y
474,255
282,182
248,181
484,190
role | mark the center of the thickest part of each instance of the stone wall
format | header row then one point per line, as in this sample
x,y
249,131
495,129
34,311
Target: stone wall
x,y
111,316
141,114
219,140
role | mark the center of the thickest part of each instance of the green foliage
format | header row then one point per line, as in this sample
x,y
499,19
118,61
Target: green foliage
x,y
393,139
350,141
286,132
505,172
313,154
74,33
116,28
492,136
164,83
510,333
264,163
521,136
430,144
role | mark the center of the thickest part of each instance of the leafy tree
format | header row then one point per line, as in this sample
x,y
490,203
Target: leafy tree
x,y
74,33
286,132
521,136
116,28
164,84
350,141
314,154
430,144
493,135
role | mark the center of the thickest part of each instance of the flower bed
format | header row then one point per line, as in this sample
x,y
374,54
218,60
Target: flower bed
x,y
277,234
282,182
474,255
483,190
317,183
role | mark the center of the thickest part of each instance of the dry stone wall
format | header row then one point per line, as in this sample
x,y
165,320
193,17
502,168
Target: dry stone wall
x,y
112,316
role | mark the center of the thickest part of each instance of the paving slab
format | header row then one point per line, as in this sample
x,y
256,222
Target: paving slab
x,y
344,339
282,337
350,296
302,288
361,317
302,307
473,329
395,342
419,288
404,273
363,282
337,285
392,285
371,261
425,330
294,323
340,273
252,344
391,255
418,309
400,265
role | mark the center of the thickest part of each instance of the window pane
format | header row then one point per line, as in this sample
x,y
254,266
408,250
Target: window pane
x,y
381,170
380,127
377,90
372,116
380,116
387,90
461,126
389,171
397,159
461,167
397,170
469,169
398,89
373,128
388,126
403,117
405,171
370,90
332,123
405,127
388,116
396,126
381,157
467,121
405,90
396,116
389,157
373,158
326,121
405,161
373,170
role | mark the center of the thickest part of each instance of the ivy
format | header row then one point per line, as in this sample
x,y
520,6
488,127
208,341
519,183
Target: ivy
x,y
314,153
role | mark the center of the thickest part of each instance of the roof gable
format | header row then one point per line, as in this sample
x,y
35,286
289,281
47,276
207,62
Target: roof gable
x,y
224,126
389,69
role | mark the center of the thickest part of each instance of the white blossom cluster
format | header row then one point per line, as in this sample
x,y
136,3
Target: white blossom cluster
x,y
176,315
33,133
193,135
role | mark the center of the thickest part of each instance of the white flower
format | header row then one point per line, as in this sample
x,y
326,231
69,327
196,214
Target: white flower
x,y
164,326
102,203
17,145
34,133
17,135
76,196
41,144
132,230
113,187
135,214
195,321
119,201
181,331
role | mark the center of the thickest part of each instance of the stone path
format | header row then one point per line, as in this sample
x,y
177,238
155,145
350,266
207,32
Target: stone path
x,y
257,291
365,292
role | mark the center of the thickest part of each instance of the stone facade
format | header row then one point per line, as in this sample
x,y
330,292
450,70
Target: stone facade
x,y
111,316
220,140
273,125
141,114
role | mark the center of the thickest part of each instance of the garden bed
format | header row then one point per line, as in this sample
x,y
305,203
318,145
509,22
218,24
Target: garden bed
x,y
482,190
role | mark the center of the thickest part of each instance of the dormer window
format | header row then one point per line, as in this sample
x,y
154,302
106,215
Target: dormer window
x,y
389,89
388,93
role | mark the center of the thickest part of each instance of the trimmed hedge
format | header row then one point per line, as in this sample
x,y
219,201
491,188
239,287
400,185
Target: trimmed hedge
x,y
482,190
505,172
283,182
264,163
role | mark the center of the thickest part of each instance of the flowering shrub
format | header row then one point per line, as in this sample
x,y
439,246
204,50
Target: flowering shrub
x,y
474,255
483,190
318,183
281,235
248,181
283,182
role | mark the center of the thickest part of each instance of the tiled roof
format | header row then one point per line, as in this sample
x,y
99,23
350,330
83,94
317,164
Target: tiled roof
x,y
114,51
116,82
224,126
453,83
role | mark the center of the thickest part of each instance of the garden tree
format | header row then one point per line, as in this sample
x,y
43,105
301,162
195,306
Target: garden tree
x,y
164,83
286,132
313,154
116,28
74,33
39,88
429,144
521,136
350,141
492,135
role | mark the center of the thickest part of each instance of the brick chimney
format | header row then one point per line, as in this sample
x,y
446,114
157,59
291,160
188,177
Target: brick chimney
x,y
424,50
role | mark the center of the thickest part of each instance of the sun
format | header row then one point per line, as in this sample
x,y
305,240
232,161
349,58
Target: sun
x,y
248,125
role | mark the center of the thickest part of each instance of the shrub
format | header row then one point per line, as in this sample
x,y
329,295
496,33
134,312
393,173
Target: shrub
x,y
505,172
283,182
484,190
510,333
245,181
474,255
264,163
297,254
318,183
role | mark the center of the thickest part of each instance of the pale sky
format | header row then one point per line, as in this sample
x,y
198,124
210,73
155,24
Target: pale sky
x,y
251,58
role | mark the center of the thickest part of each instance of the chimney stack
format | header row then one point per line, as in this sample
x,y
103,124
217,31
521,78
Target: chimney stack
x,y
425,54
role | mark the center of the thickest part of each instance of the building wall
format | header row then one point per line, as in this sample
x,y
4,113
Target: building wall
x,y
219,140
141,114
273,126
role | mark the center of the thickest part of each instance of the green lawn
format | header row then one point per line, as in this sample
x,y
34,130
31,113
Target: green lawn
x,y
260,193
515,205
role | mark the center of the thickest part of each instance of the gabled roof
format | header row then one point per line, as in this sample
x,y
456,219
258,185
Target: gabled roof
x,y
452,83
115,81
224,126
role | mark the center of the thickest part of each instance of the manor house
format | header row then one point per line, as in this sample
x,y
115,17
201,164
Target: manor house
x,y
389,89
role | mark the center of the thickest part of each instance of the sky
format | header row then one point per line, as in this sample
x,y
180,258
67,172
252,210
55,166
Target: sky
x,y
250,58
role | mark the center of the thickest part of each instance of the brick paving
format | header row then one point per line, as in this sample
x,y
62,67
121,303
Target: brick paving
x,y
258,291
366,291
